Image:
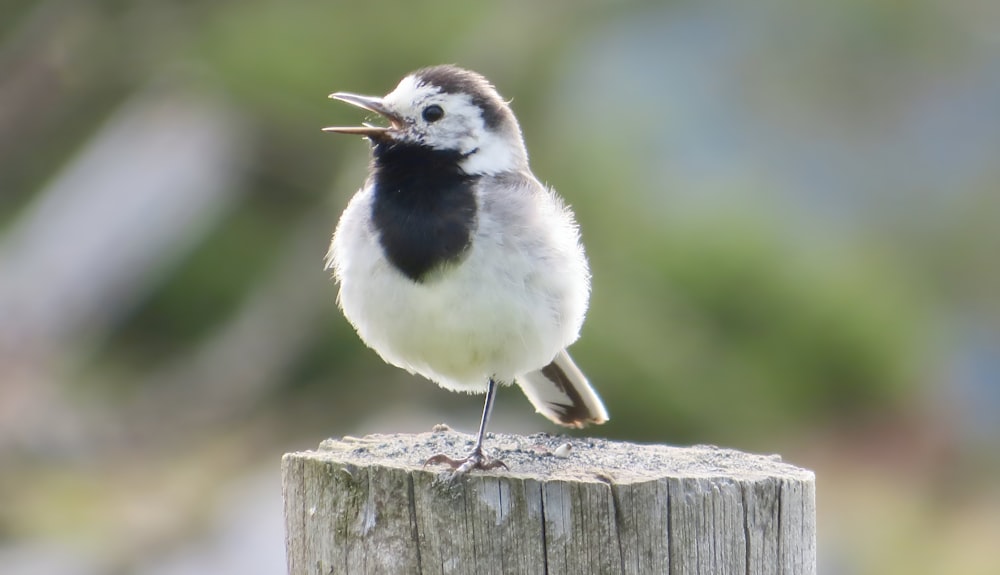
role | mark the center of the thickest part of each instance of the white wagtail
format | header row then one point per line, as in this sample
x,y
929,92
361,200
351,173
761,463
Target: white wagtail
x,y
454,262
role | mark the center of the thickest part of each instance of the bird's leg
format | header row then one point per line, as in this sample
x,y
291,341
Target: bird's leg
x,y
476,458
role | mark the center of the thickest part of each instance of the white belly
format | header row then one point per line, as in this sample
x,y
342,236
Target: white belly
x,y
515,300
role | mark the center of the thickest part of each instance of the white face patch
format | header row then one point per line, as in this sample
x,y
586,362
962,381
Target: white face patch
x,y
460,128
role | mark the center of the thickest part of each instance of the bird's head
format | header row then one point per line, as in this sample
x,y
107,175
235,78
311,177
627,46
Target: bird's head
x,y
445,108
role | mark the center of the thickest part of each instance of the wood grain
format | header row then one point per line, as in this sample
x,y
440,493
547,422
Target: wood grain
x,y
367,505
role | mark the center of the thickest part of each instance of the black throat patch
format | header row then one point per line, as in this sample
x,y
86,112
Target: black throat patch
x,y
424,207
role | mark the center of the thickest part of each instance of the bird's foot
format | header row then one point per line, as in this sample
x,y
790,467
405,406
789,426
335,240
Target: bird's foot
x,y
475,460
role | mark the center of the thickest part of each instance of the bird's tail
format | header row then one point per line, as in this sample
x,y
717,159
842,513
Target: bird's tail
x,y
561,392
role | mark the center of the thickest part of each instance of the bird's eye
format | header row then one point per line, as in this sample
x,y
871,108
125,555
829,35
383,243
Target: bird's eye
x,y
433,113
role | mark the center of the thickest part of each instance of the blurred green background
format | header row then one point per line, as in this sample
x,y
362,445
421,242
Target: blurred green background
x,y
791,210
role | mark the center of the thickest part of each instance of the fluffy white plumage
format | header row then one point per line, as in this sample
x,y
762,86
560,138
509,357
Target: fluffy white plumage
x,y
511,303
508,307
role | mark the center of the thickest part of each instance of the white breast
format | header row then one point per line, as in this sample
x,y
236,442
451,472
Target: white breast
x,y
515,300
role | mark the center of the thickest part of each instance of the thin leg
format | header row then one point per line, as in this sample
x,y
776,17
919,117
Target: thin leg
x,y
491,395
476,459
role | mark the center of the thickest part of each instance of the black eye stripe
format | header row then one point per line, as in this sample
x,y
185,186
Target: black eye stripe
x,y
432,113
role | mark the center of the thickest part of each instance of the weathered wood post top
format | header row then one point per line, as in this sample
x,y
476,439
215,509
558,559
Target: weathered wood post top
x,y
565,506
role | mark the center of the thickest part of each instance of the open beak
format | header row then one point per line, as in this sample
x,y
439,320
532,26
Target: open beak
x,y
372,104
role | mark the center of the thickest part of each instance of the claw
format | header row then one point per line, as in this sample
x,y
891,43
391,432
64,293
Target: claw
x,y
475,460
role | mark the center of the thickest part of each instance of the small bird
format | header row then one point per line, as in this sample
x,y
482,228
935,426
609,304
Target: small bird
x,y
454,261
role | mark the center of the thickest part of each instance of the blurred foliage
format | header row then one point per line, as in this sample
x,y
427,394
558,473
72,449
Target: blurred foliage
x,y
700,329
720,330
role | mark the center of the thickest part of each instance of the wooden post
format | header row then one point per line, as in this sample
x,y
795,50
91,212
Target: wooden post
x,y
366,505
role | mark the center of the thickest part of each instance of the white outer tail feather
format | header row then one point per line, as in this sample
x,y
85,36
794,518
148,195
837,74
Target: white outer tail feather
x,y
561,392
